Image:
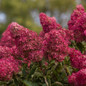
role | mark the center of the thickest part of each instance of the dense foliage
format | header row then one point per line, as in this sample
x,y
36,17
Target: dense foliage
x,y
55,57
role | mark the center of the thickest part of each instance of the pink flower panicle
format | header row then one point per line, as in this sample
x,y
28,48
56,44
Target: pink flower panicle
x,y
67,35
48,23
7,43
29,44
77,23
36,56
78,78
42,34
8,66
6,39
77,59
77,12
55,46
72,79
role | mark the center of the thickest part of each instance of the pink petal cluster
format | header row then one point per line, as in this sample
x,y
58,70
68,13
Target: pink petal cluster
x,y
8,67
15,52
78,78
48,23
77,23
77,59
7,43
5,52
28,43
67,35
55,46
56,39
6,39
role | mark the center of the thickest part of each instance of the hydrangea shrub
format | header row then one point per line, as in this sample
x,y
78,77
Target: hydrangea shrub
x,y
55,57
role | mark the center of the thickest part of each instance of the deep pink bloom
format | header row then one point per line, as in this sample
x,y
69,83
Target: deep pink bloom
x,y
48,23
5,52
72,80
77,12
15,52
6,39
36,55
28,43
67,35
85,32
77,23
78,78
77,59
55,46
8,67
41,34
7,44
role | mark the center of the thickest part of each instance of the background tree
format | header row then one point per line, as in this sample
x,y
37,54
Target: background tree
x,y
26,12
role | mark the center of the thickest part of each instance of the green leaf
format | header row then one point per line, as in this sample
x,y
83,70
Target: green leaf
x,y
38,74
44,85
57,84
16,82
80,46
10,83
32,71
24,71
28,83
2,83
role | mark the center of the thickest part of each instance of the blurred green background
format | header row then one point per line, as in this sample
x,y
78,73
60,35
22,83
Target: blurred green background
x,y
26,12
